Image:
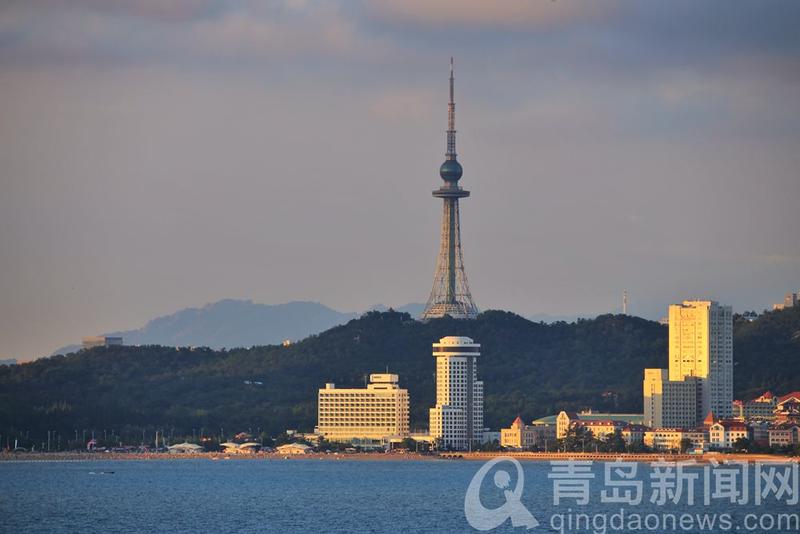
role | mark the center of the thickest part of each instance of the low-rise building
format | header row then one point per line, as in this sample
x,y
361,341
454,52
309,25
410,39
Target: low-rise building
x,y
724,433
601,423
787,408
293,448
308,437
762,407
250,447
564,423
543,434
737,409
603,429
671,439
184,448
759,431
516,436
784,435
525,437
633,433
709,420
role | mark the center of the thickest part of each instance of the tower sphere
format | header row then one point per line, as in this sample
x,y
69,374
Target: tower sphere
x,y
451,171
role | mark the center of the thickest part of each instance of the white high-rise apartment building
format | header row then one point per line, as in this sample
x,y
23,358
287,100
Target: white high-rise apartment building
x,y
373,414
701,346
456,421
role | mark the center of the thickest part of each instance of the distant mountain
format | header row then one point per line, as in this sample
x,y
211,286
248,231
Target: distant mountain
x,y
232,323
8,361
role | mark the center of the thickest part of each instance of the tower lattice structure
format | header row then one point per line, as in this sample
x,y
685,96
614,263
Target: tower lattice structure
x,y
450,294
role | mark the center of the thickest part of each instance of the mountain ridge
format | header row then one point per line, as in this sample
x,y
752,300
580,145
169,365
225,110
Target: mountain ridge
x,y
229,323
529,369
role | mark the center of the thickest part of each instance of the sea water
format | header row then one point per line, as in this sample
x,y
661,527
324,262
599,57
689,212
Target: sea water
x,y
312,495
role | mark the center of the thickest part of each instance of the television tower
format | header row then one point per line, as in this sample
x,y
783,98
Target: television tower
x,y
450,294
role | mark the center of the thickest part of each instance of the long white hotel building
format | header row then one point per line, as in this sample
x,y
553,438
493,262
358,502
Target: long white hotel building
x,y
456,422
370,415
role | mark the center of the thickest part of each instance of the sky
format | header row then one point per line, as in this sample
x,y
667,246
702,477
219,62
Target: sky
x,y
161,154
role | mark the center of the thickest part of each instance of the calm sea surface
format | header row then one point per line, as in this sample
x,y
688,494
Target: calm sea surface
x,y
295,496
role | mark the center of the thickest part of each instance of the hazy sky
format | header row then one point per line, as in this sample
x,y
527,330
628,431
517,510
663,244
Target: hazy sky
x,y
159,154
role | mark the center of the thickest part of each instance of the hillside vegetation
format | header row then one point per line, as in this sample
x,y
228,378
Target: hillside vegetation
x,y
529,369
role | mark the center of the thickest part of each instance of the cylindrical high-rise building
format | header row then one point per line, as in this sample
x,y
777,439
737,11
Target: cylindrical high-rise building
x,y
450,294
456,422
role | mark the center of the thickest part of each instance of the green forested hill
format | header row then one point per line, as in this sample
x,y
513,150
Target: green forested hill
x,y
529,369
766,354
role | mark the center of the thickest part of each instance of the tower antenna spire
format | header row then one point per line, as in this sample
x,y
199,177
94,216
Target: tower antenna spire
x,y
451,117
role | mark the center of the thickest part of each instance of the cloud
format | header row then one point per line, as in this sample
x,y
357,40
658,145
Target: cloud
x,y
779,259
180,33
153,10
163,10
237,33
482,14
404,105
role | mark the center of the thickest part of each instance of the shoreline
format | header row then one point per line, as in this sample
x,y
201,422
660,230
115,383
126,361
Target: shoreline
x,y
378,456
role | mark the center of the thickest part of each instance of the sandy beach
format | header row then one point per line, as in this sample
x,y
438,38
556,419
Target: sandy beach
x,y
391,456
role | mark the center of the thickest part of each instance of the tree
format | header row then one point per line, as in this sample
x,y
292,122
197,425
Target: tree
x,y
686,445
616,443
639,447
742,445
408,444
491,446
578,438
325,445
